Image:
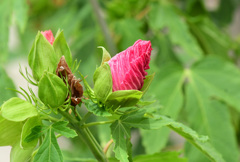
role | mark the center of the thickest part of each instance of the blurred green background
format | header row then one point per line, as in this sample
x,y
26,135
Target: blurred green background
x,y
195,56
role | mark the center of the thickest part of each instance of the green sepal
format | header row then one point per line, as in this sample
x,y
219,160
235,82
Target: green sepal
x,y
147,83
42,57
16,109
61,48
52,91
105,56
102,79
26,131
123,98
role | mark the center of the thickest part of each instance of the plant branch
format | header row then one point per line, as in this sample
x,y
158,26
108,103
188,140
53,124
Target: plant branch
x,y
85,117
97,123
107,146
104,27
48,117
86,136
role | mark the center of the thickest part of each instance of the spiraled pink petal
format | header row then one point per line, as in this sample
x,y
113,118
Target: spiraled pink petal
x,y
128,67
48,35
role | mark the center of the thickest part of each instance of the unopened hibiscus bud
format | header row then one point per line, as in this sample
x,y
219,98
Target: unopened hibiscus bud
x,y
46,52
128,67
48,35
42,57
121,81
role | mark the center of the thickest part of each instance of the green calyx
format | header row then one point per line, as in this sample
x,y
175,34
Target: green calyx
x,y
52,91
102,79
123,98
42,57
61,48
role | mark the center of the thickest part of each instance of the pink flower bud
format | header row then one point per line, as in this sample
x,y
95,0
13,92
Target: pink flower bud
x,y
48,35
128,67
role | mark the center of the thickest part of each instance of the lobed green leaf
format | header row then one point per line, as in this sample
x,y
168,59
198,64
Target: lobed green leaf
x,y
96,109
61,128
49,150
26,131
120,134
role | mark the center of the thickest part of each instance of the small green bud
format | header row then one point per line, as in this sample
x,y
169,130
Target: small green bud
x,y
52,90
42,57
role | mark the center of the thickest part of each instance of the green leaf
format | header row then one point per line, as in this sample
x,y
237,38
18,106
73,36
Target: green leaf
x,y
147,82
224,15
95,109
36,132
42,57
168,89
102,79
149,141
128,30
5,83
5,17
120,134
21,13
16,109
52,90
143,120
164,15
61,48
161,157
9,132
105,56
19,154
61,128
49,151
26,131
123,98
213,40
206,114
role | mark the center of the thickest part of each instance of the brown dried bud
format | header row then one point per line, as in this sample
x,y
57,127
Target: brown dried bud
x,y
63,71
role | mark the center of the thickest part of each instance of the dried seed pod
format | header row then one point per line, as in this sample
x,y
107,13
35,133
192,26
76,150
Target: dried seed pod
x,y
64,72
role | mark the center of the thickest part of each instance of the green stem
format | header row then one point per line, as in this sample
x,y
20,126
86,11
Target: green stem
x,y
97,123
86,136
85,117
48,117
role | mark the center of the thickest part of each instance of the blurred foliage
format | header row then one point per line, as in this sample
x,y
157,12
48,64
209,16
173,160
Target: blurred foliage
x,y
196,61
